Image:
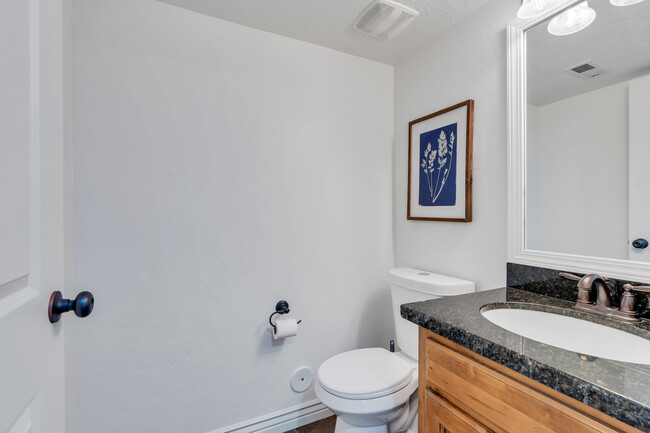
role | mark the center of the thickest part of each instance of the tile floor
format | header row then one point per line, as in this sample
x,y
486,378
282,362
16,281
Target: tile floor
x,y
325,425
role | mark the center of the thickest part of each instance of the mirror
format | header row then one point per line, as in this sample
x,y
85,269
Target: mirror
x,y
580,141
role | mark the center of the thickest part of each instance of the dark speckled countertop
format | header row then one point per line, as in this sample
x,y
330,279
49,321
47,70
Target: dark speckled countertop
x,y
618,389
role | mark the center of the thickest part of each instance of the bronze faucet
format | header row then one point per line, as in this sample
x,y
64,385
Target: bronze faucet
x,y
602,305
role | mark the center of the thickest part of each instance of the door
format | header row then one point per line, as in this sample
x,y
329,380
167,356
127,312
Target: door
x,y
639,175
442,417
31,215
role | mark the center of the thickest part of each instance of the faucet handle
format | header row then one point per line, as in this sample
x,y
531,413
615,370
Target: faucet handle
x,y
569,276
628,301
584,293
627,287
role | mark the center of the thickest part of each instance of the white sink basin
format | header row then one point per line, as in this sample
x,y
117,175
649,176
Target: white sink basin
x,y
573,334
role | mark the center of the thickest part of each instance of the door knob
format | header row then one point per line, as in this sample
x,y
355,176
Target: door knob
x,y
640,243
82,305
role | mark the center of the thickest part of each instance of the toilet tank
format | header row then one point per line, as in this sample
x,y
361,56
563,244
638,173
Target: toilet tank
x,y
413,285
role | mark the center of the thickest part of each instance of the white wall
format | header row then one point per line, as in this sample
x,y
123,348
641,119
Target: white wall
x,y
581,183
467,62
217,170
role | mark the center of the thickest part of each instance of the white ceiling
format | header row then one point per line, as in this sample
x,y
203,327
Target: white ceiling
x,y
618,40
329,23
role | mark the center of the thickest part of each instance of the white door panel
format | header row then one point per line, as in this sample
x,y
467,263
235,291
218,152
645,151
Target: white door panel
x,y
15,42
31,215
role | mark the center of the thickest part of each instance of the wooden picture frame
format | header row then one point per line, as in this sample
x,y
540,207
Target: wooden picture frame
x,y
440,165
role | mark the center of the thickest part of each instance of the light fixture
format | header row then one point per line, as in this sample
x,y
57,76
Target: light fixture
x,y
572,20
624,2
533,8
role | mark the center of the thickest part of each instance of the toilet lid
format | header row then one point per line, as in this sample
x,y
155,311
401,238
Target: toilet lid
x,y
364,373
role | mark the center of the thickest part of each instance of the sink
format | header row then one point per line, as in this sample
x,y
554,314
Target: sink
x,y
570,333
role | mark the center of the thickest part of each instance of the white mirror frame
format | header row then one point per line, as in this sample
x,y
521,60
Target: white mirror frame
x,y
516,249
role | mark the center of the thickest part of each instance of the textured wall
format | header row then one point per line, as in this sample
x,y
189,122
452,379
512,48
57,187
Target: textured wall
x,y
467,62
218,169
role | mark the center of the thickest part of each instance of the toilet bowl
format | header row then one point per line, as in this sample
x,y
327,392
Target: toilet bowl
x,y
373,390
370,390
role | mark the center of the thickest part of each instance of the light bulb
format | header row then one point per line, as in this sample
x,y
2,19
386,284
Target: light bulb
x,y
533,8
624,2
572,20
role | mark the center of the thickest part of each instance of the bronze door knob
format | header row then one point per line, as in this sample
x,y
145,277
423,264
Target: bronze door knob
x,y
82,305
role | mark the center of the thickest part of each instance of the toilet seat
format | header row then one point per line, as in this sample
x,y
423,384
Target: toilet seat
x,y
365,374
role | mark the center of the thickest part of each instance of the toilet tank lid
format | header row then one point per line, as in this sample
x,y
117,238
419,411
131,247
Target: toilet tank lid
x,y
430,282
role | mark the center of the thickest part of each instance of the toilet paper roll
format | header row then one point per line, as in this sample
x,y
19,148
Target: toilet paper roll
x,y
285,327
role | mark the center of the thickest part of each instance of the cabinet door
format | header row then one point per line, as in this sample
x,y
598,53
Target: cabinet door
x,y
443,417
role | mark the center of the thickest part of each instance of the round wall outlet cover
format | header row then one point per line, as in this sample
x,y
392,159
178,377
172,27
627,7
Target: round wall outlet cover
x,y
301,379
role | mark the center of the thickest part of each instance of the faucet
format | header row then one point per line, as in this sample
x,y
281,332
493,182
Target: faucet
x,y
602,305
591,281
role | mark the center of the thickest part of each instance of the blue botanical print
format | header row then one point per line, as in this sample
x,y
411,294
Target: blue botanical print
x,y
438,167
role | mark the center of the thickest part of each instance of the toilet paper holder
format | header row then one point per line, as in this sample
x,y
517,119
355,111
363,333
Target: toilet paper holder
x,y
282,307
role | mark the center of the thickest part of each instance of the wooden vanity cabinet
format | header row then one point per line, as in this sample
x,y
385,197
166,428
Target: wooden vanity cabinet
x,y
443,417
462,392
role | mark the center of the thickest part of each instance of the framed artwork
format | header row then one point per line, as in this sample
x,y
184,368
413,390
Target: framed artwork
x,y
440,165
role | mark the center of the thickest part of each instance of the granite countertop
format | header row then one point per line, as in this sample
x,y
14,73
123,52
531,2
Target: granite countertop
x,y
618,389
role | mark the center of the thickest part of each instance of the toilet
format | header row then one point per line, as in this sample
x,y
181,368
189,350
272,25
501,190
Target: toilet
x,y
374,390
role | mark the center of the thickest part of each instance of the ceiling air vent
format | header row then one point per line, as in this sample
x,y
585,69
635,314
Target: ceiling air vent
x,y
586,70
385,18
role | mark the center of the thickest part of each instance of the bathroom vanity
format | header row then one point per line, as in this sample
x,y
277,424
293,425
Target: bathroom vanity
x,y
475,376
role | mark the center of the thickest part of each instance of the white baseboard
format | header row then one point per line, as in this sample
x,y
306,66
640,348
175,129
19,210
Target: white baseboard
x,y
281,421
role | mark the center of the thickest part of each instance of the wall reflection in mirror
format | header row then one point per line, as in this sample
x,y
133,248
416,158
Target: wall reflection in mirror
x,y
588,135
